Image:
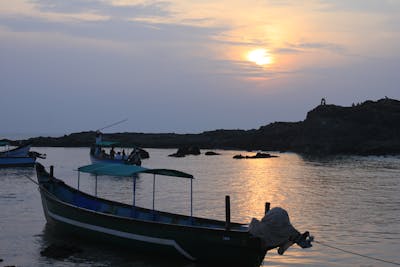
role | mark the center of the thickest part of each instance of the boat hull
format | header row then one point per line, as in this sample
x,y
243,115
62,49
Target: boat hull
x,y
99,160
214,246
17,161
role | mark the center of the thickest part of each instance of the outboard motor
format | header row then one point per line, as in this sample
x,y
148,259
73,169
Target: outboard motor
x,y
275,230
35,154
134,157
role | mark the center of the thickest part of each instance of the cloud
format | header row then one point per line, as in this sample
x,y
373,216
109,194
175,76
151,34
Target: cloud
x,y
288,51
115,30
320,45
101,20
361,6
282,2
297,48
103,7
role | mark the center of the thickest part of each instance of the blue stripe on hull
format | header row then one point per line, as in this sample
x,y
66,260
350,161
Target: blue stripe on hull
x,y
16,161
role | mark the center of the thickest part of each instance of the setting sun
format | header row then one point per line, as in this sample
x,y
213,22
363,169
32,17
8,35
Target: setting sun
x,y
260,56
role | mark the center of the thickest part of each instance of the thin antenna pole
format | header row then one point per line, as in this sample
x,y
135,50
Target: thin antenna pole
x,y
111,125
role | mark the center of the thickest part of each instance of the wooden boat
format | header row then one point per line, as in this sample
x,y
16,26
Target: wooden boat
x,y
20,151
19,156
157,232
99,154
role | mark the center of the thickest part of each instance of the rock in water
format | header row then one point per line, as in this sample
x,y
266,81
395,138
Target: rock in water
x,y
187,150
211,153
259,155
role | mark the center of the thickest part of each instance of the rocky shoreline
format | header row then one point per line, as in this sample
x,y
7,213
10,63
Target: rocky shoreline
x,y
369,128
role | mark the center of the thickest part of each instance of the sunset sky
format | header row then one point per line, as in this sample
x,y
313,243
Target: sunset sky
x,y
190,66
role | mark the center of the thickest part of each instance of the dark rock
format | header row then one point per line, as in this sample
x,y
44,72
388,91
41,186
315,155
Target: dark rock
x,y
60,251
187,150
143,153
259,155
177,155
211,153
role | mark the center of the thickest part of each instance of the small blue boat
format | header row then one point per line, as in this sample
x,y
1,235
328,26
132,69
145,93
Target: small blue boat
x,y
20,151
98,153
19,156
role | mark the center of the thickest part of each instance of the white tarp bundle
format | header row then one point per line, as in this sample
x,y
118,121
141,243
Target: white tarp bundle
x,y
274,229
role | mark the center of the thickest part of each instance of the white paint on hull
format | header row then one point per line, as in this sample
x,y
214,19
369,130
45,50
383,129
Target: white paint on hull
x,y
154,240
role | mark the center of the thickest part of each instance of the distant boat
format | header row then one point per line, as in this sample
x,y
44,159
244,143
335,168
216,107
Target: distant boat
x,y
99,154
19,156
20,151
157,232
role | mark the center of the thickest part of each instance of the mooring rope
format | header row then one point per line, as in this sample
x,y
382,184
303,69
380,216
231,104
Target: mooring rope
x,y
357,254
33,181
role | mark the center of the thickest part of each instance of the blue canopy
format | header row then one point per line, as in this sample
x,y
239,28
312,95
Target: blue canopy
x,y
3,143
128,170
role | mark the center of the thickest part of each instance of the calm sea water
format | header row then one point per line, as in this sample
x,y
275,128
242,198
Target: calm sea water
x,y
348,202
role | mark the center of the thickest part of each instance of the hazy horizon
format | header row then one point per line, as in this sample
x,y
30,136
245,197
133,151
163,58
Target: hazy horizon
x,y
189,66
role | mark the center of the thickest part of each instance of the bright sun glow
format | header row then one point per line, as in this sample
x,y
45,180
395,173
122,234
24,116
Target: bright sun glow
x,y
260,57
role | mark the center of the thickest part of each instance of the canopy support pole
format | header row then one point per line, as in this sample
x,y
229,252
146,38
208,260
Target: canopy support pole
x,y
227,213
154,189
79,178
95,186
51,171
134,190
191,199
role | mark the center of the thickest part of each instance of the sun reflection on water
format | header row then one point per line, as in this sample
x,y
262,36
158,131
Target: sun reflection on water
x,y
261,181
